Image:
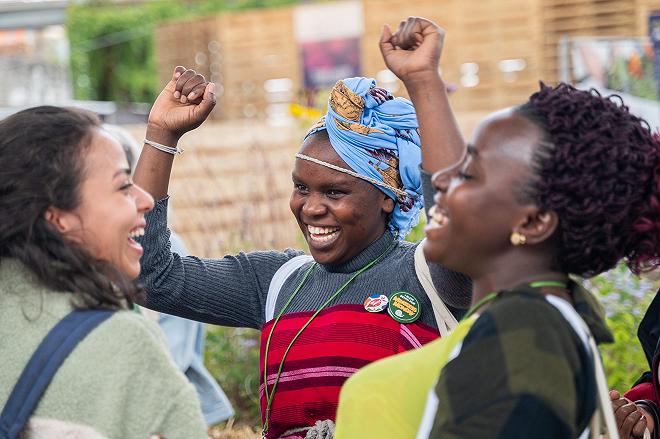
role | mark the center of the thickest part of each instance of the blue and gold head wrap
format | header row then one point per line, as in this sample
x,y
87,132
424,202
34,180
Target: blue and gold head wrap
x,y
376,135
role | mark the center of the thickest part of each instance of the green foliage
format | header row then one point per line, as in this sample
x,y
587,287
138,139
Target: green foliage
x,y
417,232
625,299
112,46
112,50
232,357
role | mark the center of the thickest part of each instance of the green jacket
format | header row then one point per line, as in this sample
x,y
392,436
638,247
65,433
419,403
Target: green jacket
x,y
119,382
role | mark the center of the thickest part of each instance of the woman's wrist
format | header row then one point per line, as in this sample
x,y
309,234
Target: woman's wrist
x,y
161,135
422,79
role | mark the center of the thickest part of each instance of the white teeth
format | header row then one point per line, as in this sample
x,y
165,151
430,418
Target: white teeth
x,y
321,230
322,234
136,233
324,238
438,217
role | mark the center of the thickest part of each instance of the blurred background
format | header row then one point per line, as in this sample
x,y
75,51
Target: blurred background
x,y
274,62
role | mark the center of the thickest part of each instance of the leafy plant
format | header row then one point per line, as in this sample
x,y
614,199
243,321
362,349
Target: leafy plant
x,y
625,299
232,357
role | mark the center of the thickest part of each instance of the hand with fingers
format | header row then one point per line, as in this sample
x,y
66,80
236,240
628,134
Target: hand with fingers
x,y
412,53
185,102
414,49
631,419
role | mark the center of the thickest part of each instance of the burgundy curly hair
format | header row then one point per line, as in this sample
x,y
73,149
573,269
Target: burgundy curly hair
x,y
598,168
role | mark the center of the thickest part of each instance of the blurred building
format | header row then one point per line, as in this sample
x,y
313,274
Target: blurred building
x,y
496,50
34,56
34,53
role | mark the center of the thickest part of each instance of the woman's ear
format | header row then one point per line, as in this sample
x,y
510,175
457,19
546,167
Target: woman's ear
x,y
538,225
388,205
64,222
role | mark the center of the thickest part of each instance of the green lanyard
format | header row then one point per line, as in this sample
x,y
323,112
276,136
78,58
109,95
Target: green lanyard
x,y
491,296
271,395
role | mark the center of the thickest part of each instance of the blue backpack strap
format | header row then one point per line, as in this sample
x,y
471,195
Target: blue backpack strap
x,y
44,363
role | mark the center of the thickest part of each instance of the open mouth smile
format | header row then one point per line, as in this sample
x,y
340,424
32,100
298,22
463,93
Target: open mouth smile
x,y
136,233
438,217
322,235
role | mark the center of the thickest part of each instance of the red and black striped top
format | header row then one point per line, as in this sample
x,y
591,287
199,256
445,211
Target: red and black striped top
x,y
339,341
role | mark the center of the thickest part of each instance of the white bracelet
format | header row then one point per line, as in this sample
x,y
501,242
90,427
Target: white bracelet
x,y
168,149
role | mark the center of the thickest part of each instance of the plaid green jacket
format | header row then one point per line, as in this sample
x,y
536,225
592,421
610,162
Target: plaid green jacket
x,y
522,372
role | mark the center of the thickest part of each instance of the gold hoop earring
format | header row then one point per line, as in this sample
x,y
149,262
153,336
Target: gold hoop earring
x,y
518,238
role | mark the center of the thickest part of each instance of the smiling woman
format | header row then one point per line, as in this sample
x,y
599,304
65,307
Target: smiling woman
x,y
106,230
334,210
364,293
69,214
561,187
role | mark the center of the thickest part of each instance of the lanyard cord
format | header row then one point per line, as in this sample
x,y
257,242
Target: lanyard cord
x,y
491,296
484,300
270,396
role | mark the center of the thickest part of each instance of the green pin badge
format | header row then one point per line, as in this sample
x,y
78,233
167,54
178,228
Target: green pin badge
x,y
404,307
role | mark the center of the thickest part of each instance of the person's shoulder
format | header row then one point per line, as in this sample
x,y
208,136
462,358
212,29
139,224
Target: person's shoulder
x,y
515,302
524,308
131,334
526,316
408,246
125,361
405,250
125,348
119,349
129,321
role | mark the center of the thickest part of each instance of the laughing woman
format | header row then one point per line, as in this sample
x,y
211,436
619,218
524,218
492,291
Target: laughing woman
x,y
68,215
358,298
566,184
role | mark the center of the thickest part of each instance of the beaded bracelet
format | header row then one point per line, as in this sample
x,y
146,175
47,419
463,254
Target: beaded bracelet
x,y
168,149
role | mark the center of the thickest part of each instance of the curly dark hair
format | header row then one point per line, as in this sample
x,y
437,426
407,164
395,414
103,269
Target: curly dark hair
x,y
598,168
42,151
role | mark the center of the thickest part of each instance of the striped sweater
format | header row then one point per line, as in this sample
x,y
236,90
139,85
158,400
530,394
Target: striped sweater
x,y
232,291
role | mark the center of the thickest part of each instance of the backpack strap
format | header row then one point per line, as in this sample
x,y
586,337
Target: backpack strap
x,y
276,283
603,418
443,317
44,363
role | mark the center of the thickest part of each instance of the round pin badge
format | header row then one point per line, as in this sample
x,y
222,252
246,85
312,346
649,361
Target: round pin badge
x,y
404,307
376,303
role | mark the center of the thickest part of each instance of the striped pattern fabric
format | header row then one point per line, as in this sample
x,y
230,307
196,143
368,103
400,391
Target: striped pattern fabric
x,y
340,340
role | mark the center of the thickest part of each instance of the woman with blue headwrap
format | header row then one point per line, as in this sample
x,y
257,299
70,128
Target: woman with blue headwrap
x,y
363,294
376,136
